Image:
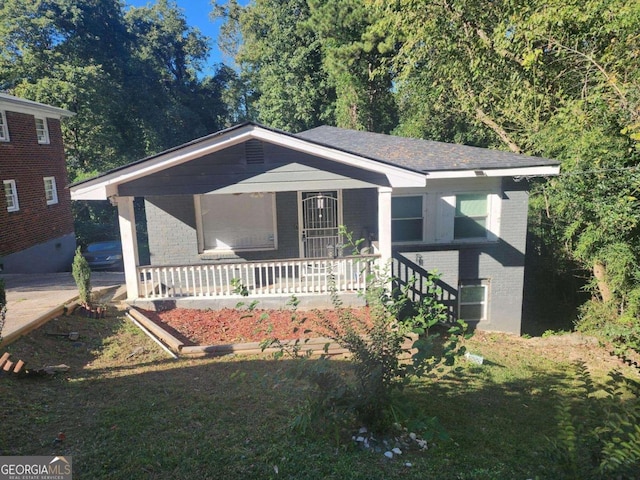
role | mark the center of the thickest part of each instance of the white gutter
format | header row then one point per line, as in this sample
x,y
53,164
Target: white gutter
x,y
541,171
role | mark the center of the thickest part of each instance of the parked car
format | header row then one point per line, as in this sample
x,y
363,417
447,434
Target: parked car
x,y
104,255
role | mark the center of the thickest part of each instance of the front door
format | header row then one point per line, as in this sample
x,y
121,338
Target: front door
x,y
320,217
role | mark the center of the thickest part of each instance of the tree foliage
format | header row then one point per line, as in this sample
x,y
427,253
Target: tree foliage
x,y
309,63
551,78
130,75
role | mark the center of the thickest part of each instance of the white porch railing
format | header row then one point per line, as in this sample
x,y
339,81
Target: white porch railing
x,y
273,277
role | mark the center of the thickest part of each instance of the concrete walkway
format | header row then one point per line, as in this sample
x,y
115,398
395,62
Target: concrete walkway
x,y
33,299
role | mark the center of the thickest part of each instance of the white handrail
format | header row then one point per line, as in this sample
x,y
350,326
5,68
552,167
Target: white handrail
x,y
263,278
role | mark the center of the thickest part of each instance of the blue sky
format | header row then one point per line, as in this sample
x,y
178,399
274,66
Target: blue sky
x,y
197,15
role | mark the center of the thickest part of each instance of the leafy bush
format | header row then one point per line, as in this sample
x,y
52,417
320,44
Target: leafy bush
x,y
82,275
384,357
604,321
599,437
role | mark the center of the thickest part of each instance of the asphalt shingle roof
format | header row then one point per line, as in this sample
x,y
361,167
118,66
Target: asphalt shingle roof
x,y
419,155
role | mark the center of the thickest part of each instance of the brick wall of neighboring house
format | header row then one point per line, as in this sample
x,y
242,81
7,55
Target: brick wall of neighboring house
x,y
27,162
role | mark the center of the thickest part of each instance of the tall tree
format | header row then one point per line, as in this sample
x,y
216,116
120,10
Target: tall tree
x,y
280,61
548,77
130,75
310,62
352,58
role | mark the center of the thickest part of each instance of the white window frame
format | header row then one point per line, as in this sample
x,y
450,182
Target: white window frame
x,y
42,130
446,209
50,190
485,216
11,196
423,218
484,303
4,127
244,219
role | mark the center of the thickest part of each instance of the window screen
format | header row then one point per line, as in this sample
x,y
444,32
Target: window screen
x,y
42,130
50,190
11,195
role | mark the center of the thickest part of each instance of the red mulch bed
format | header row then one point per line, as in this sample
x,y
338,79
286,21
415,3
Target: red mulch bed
x,y
228,326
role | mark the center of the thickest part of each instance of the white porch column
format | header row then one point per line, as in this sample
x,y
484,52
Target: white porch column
x,y
127,220
384,226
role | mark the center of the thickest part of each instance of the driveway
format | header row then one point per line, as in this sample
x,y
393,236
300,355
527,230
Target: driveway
x,y
31,298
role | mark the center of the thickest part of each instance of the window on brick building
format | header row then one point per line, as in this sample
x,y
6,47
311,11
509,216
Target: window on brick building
x,y
50,190
4,128
42,130
11,195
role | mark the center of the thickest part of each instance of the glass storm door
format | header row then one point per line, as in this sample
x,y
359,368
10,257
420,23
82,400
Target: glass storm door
x,y
321,216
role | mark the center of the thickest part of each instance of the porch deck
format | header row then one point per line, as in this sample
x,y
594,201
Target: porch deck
x,y
256,279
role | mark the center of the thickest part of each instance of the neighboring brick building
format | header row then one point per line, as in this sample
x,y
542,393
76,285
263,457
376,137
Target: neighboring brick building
x,y
36,224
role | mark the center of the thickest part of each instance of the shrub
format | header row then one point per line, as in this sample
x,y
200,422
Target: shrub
x,y
384,360
599,437
82,275
603,320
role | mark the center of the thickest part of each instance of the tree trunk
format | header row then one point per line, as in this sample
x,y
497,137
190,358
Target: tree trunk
x,y
600,273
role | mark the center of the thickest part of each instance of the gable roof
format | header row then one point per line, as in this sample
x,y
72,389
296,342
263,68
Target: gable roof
x,y
406,162
22,105
421,155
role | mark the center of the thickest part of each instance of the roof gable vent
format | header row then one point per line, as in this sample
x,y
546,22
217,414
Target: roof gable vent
x,y
254,152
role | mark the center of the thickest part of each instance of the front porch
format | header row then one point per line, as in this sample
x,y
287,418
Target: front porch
x,y
273,278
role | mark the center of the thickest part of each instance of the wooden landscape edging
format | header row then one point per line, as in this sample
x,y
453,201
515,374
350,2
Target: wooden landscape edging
x,y
317,345
32,325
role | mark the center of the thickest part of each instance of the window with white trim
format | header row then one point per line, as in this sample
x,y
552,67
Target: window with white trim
x,y
4,127
472,301
50,190
407,218
11,195
237,222
42,130
467,217
470,220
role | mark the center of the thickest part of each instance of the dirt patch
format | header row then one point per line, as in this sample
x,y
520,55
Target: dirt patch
x,y
228,326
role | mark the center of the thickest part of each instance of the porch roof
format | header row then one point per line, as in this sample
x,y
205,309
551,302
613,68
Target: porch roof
x,y
405,162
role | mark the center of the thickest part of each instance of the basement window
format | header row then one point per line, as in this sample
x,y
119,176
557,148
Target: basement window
x,y
472,304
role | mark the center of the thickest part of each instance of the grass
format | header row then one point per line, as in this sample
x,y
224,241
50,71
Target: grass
x,y
129,412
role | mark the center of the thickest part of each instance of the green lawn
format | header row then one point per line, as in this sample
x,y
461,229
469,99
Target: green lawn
x,y
147,416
